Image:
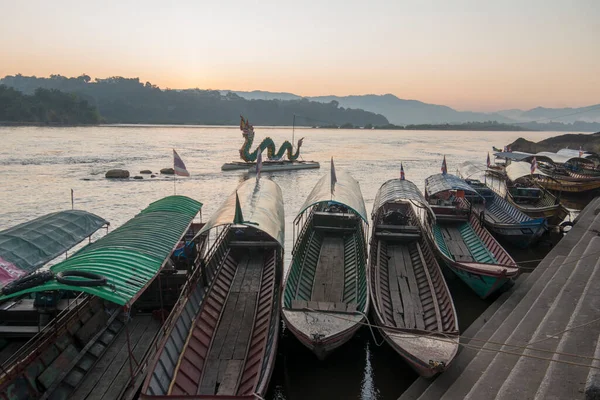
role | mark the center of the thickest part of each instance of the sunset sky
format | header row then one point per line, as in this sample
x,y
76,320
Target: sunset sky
x,y
467,54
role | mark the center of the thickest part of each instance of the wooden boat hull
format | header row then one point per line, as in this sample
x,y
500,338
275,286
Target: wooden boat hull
x,y
326,285
560,185
521,235
222,339
270,165
487,267
553,214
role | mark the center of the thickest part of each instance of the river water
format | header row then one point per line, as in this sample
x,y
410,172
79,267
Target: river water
x,y
40,166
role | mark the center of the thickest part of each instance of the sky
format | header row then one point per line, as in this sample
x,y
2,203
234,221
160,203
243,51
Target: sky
x,y
467,54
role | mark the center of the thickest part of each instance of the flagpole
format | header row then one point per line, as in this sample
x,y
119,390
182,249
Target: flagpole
x,y
293,128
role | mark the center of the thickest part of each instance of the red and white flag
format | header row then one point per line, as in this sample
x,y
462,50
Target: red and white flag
x,y
580,152
259,164
533,165
444,167
178,165
401,172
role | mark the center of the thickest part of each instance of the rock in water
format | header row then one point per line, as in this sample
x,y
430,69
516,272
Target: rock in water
x,y
117,174
146,171
138,177
152,176
167,171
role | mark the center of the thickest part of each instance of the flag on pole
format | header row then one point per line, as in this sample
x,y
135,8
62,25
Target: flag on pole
x,y
401,172
444,167
580,152
509,149
178,165
333,177
238,218
533,165
259,164
72,201
488,160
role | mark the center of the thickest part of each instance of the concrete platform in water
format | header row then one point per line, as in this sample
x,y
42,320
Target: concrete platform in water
x,y
271,165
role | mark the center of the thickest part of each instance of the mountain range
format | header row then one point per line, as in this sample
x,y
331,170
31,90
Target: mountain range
x,y
403,112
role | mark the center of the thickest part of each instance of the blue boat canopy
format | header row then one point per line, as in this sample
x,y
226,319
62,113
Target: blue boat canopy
x,y
400,190
129,257
257,204
28,246
441,183
346,192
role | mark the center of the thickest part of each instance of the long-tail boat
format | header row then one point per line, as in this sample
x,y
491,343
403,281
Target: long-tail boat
x,y
523,192
222,338
325,299
504,219
97,348
410,300
462,241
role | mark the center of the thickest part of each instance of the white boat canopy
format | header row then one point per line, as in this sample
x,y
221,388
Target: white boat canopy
x,y
440,183
512,155
575,153
470,168
261,205
519,169
346,192
397,190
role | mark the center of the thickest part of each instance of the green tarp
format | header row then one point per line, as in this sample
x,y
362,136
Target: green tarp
x,y
132,255
28,246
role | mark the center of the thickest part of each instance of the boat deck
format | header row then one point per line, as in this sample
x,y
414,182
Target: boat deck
x,y
462,244
110,375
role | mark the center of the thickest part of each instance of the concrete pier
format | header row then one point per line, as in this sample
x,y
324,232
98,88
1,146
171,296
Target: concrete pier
x,y
542,314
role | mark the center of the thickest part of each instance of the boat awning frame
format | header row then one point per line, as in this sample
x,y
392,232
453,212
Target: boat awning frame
x,y
441,183
30,245
131,256
261,203
346,192
400,190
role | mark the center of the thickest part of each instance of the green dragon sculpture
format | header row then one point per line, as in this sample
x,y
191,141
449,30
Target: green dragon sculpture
x,y
267,143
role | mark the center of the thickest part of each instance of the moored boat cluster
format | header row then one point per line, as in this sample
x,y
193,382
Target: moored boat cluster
x,y
220,338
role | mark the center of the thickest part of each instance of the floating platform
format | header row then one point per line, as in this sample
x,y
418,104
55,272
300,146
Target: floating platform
x,y
271,165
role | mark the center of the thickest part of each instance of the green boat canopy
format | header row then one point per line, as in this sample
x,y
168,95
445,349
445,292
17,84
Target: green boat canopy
x,y
347,192
28,246
257,204
131,256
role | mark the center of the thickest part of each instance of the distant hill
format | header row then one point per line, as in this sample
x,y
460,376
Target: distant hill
x,y
127,100
587,142
262,95
564,115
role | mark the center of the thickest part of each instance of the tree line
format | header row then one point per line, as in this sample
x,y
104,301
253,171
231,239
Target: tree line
x,y
128,100
45,107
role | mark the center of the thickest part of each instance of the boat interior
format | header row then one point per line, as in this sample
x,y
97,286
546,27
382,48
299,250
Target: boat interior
x,y
327,272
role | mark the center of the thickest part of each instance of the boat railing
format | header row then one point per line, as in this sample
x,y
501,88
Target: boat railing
x,y
302,232
47,335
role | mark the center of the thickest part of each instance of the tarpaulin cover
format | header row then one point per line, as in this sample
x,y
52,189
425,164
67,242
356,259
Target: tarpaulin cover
x,y
28,246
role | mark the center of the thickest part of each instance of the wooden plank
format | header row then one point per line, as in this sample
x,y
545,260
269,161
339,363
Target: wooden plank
x,y
251,282
228,386
377,274
329,275
238,279
234,327
340,307
221,332
210,375
247,323
414,289
397,307
351,307
326,306
407,301
299,304
313,305
432,289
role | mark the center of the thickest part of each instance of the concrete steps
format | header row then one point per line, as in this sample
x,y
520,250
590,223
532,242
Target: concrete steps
x,y
531,310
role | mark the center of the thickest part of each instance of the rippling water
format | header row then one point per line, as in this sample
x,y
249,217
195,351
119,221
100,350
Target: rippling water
x,y
39,167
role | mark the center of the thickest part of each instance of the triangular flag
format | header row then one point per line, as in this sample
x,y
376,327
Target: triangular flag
x,y
401,172
259,164
444,167
238,218
533,165
580,152
333,177
178,165
488,160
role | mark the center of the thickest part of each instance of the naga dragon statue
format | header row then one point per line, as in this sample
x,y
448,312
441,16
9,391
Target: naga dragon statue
x,y
267,143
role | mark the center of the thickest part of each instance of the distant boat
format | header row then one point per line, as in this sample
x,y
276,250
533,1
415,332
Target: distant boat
x,y
462,241
325,298
411,302
524,193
